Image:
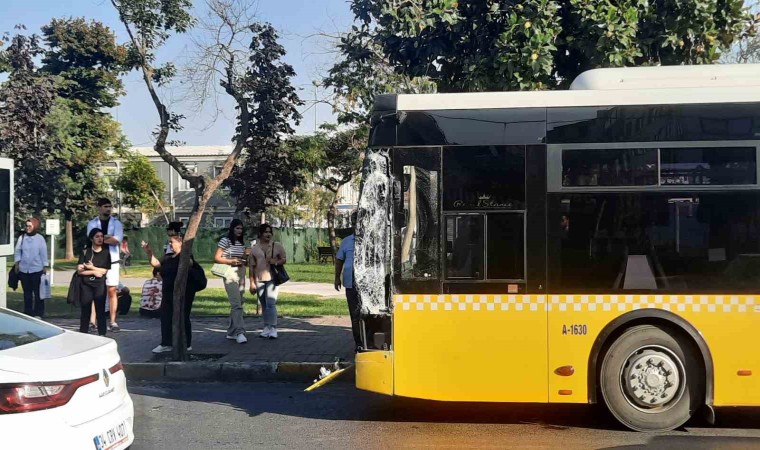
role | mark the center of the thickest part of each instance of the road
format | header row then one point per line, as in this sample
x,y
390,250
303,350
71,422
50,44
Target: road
x,y
280,415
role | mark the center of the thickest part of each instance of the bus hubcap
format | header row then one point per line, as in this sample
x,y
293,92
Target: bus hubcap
x,y
651,378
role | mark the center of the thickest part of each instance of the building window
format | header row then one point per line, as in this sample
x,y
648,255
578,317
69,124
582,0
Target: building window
x,y
183,184
222,222
215,171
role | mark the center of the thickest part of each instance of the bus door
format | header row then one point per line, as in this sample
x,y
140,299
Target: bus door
x,y
465,327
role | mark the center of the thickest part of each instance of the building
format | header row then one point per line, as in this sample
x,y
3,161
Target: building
x,y
179,196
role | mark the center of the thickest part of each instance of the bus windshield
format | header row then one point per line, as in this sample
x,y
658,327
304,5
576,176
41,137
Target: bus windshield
x,y
372,246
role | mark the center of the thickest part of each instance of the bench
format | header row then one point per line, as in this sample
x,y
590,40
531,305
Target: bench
x,y
324,253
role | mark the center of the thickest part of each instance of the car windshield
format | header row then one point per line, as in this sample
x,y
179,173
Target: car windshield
x,y
17,329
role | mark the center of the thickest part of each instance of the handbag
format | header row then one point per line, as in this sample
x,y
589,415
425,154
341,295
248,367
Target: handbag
x,y
75,291
13,279
221,270
197,277
74,296
279,274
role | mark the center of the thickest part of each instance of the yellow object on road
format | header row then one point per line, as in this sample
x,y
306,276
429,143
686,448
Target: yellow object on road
x,y
327,378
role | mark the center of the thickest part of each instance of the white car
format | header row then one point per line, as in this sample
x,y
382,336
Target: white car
x,y
60,389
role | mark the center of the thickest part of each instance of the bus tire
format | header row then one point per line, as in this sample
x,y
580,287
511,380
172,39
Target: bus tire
x,y
652,378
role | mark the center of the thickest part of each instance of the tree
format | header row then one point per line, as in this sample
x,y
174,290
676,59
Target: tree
x,y
265,176
363,72
86,62
251,75
333,158
26,99
535,44
139,184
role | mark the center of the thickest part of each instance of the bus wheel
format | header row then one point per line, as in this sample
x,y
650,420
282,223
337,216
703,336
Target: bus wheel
x,y
652,378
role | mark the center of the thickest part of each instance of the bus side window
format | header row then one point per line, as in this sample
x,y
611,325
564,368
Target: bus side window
x,y
419,234
464,247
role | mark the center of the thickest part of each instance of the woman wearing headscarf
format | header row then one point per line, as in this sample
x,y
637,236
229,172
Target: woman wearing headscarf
x,y
93,266
168,267
31,261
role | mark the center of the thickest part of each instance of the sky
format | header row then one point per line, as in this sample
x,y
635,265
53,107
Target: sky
x,y
297,22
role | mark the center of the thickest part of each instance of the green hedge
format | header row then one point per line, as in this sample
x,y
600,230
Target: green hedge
x,y
300,243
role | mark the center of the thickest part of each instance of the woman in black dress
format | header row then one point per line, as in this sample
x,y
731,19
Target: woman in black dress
x,y
168,267
92,267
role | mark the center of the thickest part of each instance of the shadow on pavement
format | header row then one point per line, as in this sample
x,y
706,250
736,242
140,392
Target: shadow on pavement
x,y
695,443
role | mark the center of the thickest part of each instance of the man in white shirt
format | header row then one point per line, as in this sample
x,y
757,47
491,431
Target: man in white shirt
x,y
114,233
344,274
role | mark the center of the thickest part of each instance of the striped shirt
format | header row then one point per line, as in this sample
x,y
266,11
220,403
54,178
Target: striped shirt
x,y
231,251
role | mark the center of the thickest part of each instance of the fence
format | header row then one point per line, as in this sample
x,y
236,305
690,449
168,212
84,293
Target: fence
x,y
300,243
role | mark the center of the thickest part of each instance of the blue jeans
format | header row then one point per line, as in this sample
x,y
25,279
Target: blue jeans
x,y
267,293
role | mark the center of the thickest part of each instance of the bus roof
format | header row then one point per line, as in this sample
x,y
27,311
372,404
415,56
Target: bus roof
x,y
719,83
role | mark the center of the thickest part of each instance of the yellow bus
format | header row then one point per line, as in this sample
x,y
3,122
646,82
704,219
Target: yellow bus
x,y
600,244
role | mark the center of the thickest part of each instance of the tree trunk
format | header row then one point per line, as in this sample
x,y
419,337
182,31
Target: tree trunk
x,y
331,215
179,349
69,240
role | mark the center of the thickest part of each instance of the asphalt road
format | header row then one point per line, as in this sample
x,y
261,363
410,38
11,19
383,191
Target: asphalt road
x,y
278,415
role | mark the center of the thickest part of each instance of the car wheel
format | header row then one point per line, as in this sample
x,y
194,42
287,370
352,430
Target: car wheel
x,y
652,378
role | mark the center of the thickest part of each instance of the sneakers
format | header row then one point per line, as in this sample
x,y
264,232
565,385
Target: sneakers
x,y
162,349
93,328
240,338
269,333
190,349
114,327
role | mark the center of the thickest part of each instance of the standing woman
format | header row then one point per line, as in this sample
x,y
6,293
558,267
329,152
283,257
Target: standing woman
x,y
93,266
263,255
168,267
231,251
31,260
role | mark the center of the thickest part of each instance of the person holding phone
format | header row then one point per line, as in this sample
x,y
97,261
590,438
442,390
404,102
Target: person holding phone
x,y
231,251
93,266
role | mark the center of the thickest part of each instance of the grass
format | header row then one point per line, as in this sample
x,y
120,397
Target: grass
x,y
211,301
314,273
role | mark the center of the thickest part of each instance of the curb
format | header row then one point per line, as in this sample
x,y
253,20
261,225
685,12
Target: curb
x,y
204,371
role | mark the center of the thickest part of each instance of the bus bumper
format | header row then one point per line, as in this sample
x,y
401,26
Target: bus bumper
x,y
374,372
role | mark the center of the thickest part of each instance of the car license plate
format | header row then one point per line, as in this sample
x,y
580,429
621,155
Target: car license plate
x,y
112,437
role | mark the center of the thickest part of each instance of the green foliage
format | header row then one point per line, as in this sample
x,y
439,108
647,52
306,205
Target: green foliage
x,y
151,22
268,170
139,182
78,140
87,60
364,72
533,44
87,63
26,98
331,157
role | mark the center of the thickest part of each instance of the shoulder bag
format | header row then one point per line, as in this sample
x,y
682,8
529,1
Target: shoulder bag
x,y
197,277
73,297
13,279
279,274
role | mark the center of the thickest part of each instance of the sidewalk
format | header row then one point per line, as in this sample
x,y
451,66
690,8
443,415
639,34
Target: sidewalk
x,y
63,278
303,339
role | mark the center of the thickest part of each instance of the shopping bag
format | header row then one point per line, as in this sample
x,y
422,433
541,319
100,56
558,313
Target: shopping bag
x,y
45,287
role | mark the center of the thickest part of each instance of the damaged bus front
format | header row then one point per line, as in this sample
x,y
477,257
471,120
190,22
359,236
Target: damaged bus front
x,y
372,261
